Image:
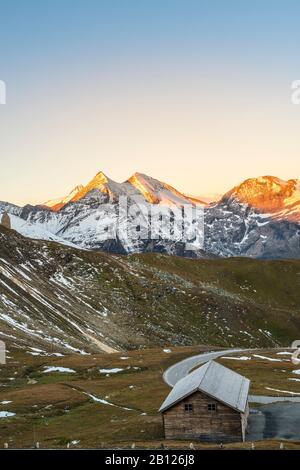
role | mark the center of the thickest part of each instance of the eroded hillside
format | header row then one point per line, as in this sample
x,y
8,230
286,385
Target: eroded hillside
x,y
58,298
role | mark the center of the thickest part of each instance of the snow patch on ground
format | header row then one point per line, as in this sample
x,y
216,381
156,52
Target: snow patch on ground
x,y
242,358
58,369
282,391
105,402
6,414
267,358
110,371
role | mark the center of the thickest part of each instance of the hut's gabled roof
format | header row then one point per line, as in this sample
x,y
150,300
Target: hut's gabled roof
x,y
214,380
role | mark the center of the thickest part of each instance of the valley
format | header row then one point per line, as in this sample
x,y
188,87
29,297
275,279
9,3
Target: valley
x,y
111,400
89,335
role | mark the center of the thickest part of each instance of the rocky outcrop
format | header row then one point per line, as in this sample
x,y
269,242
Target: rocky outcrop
x,y
5,220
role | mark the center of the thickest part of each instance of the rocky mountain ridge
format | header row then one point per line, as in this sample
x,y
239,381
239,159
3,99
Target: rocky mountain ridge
x,y
258,218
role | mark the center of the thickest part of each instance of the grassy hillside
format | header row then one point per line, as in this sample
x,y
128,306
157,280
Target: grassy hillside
x,y
57,407
57,299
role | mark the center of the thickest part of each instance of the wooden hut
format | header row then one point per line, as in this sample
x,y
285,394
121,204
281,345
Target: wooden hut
x,y
209,404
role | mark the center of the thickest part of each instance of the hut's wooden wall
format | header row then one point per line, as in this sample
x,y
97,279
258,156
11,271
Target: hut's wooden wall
x,y
222,425
244,418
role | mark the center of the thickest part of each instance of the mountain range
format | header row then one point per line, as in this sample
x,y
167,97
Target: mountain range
x,y
258,218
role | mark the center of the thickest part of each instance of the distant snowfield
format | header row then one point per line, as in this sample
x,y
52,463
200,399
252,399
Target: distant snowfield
x,y
36,231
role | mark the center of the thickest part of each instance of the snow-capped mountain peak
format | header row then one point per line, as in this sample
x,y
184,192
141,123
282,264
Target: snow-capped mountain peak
x,y
57,204
99,182
150,189
109,188
157,192
269,194
258,218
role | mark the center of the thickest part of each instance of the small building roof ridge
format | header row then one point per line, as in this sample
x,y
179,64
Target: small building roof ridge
x,y
238,404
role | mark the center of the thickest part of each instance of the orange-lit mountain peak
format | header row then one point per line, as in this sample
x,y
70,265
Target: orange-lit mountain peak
x,y
56,204
100,178
143,184
157,192
100,182
268,194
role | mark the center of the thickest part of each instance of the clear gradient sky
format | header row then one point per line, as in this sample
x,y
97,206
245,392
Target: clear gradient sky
x,y
193,92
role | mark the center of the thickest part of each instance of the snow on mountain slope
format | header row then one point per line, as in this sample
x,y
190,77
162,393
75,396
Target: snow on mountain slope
x,y
94,219
150,189
258,218
156,192
236,229
57,204
10,208
109,188
269,194
35,231
291,206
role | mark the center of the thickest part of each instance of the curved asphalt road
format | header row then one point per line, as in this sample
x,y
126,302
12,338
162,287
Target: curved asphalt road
x,y
176,372
179,370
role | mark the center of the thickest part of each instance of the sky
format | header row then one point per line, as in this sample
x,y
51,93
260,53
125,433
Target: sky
x,y
196,93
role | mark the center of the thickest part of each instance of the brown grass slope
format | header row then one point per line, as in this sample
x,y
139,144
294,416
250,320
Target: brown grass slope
x,y
58,298
58,408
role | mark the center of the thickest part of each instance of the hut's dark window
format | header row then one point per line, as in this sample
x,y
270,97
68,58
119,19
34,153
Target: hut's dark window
x,y
188,408
212,407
